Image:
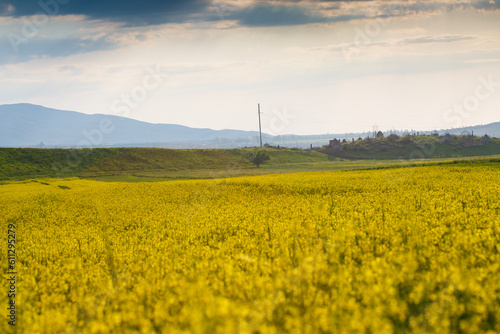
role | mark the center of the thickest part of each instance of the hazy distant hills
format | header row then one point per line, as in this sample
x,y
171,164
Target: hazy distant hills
x,y
28,125
24,125
492,130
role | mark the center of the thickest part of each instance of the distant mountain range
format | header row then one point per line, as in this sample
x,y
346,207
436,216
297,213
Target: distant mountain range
x,y
28,125
23,125
492,130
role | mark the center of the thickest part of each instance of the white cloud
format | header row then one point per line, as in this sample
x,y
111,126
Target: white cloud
x,y
216,72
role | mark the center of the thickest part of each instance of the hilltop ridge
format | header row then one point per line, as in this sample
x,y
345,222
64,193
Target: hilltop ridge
x,y
411,147
28,125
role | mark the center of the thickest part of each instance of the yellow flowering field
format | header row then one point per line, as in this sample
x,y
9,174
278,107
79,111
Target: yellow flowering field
x,y
406,250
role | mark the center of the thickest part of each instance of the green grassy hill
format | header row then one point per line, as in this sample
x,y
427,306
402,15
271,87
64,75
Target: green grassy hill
x,y
283,156
142,163
20,163
154,164
418,147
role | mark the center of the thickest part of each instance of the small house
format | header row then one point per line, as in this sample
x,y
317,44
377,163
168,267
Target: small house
x,y
335,144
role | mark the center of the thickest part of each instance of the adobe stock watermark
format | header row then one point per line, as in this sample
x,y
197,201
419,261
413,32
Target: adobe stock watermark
x,y
460,111
424,150
221,9
371,30
120,107
455,115
139,93
123,105
32,25
279,121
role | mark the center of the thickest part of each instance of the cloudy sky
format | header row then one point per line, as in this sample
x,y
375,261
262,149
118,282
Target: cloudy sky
x,y
315,66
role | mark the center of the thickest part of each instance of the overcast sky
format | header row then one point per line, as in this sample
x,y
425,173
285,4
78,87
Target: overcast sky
x,y
314,66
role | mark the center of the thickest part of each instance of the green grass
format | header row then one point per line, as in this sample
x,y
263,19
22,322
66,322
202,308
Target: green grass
x,y
152,164
20,163
284,156
140,160
145,164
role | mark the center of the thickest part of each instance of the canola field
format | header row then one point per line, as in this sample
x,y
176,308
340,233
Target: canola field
x,y
408,250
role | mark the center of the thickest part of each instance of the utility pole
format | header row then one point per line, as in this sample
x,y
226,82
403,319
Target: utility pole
x,y
260,128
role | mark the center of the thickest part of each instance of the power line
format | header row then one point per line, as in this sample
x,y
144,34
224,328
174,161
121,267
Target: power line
x,y
260,128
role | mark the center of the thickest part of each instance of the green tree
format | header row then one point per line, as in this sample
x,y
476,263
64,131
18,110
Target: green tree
x,y
259,158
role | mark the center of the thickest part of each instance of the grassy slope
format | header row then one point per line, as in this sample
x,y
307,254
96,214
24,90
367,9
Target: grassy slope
x,y
285,156
151,159
25,163
138,164
152,164
143,164
34,163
